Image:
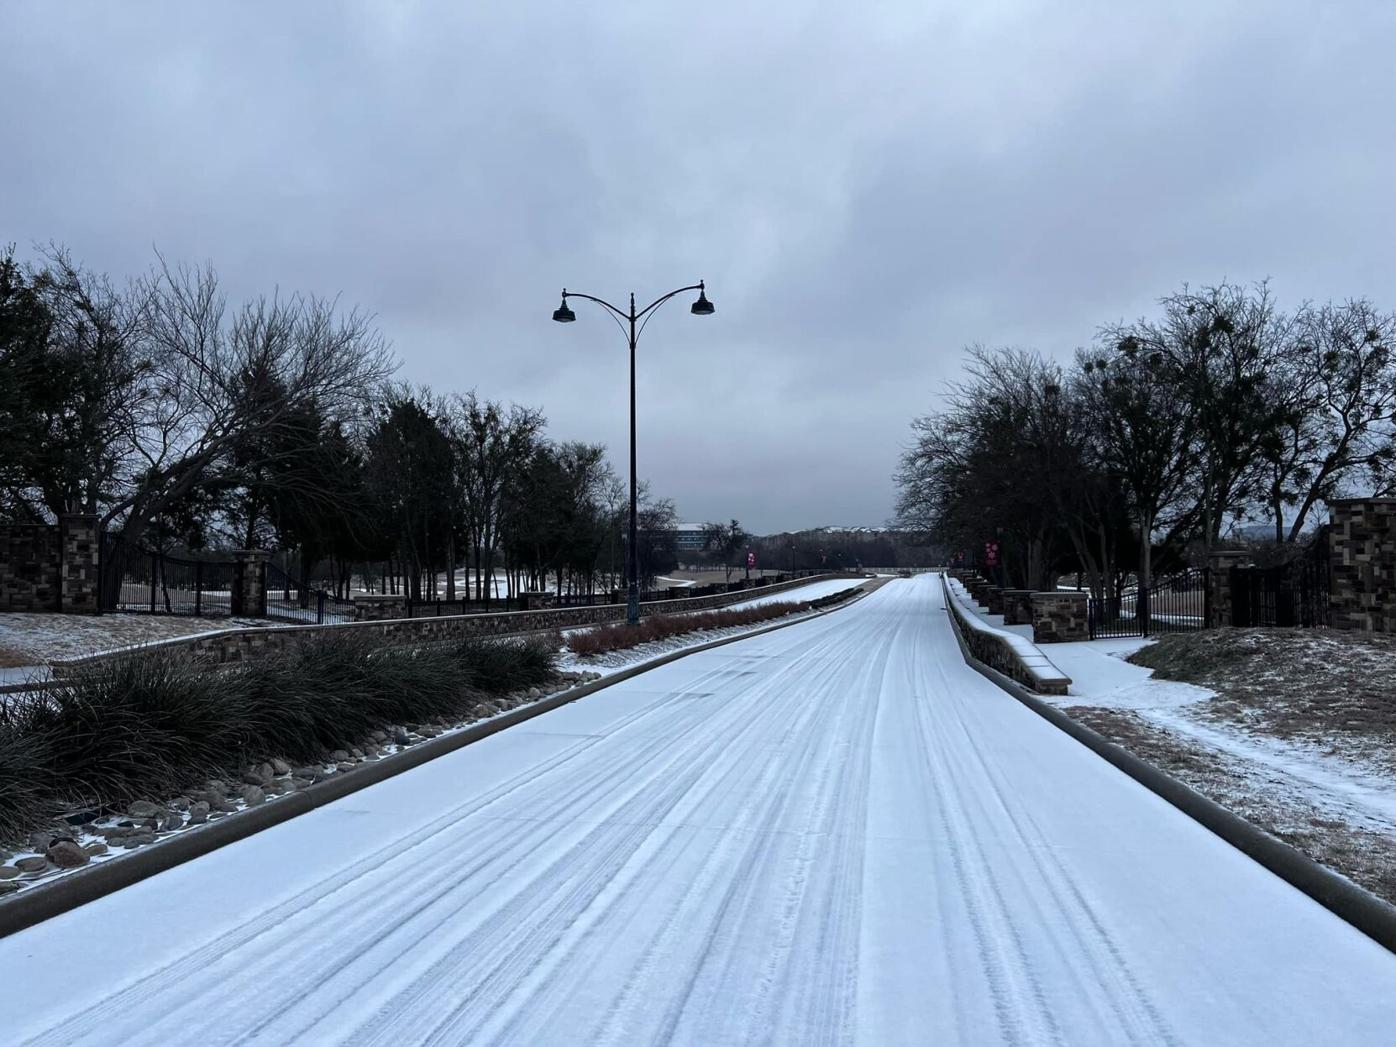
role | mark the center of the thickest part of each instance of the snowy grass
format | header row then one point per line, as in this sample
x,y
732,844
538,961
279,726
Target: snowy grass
x,y
156,724
34,639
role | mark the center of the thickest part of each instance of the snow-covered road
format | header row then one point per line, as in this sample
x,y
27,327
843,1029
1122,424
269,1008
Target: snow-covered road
x,y
833,833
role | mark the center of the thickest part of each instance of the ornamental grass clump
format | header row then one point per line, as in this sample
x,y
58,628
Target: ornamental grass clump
x,y
115,731
500,666
321,694
157,724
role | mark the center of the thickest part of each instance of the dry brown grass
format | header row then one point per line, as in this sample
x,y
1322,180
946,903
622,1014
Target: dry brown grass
x,y
1316,685
11,658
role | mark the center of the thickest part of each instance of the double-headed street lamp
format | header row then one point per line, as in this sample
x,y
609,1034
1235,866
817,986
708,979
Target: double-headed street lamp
x,y
563,315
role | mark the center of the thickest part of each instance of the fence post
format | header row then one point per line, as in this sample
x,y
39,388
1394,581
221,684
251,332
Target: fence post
x,y
319,607
80,564
249,596
154,577
198,588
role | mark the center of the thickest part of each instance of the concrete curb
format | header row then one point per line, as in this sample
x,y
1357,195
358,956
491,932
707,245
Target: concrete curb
x,y
68,892
1363,910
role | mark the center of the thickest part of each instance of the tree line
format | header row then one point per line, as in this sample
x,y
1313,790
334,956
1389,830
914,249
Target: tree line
x,y
185,423
1223,415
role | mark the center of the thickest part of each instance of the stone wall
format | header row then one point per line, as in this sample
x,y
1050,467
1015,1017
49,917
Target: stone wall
x,y
1362,562
1017,607
30,567
1009,653
1059,617
1220,563
50,567
235,645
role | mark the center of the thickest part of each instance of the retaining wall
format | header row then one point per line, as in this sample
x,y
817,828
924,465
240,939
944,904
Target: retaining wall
x,y
235,645
1007,652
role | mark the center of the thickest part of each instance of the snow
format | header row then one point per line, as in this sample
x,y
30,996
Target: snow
x,y
836,832
1332,781
813,591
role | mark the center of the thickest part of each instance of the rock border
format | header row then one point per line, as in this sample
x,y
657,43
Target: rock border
x,y
44,901
1353,904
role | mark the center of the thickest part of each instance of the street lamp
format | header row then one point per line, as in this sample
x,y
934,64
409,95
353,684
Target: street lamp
x,y
564,315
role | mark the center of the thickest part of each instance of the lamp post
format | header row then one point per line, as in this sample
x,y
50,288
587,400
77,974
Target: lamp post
x,y
564,315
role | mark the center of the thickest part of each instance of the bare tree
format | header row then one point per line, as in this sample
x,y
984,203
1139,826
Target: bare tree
x,y
210,379
1339,425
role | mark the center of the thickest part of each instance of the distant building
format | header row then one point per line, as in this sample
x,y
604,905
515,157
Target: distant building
x,y
688,538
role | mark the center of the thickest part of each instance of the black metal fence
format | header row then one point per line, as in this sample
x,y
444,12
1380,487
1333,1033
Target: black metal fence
x,y
135,579
290,601
1176,603
1290,595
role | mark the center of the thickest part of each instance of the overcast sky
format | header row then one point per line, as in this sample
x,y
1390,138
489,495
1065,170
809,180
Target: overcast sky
x,y
866,188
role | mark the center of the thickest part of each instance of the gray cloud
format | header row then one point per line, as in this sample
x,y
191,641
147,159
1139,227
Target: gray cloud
x,y
865,192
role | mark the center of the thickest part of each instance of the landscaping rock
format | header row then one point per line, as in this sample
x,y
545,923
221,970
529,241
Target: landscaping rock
x,y
8,887
254,776
8,872
67,855
401,736
40,841
381,737
136,840
33,864
307,772
344,766
427,731
143,809
302,783
94,849
252,795
82,817
180,803
280,766
339,756
357,754
172,821
198,812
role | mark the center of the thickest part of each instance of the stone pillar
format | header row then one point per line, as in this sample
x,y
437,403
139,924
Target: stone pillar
x,y
1017,607
538,601
1362,564
250,583
1060,617
80,551
993,599
1219,601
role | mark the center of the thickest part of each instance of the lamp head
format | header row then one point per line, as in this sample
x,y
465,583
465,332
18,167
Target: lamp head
x,y
562,314
702,307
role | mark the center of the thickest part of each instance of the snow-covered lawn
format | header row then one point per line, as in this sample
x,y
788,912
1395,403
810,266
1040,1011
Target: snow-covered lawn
x,y
30,641
813,591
